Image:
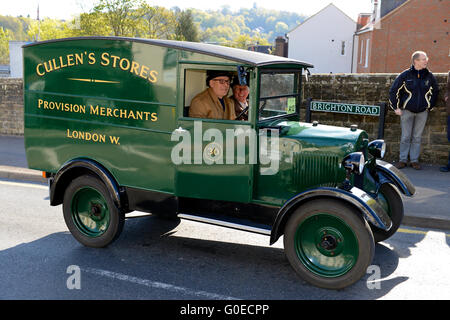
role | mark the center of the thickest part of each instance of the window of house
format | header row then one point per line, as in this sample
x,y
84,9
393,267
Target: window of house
x,y
366,64
361,52
342,48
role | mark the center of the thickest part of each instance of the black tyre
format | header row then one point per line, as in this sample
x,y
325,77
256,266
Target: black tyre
x,y
328,243
392,203
90,213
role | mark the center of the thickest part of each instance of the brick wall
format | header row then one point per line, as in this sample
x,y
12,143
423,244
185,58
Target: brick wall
x,y
11,106
416,25
368,89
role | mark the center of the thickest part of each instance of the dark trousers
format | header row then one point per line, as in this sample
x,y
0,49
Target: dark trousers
x,y
448,137
448,128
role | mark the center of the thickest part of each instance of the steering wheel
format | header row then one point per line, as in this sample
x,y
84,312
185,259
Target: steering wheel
x,y
242,113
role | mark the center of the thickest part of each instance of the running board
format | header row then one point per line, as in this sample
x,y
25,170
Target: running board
x,y
261,229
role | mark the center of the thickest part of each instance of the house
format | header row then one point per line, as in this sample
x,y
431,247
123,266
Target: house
x,y
396,29
16,58
325,40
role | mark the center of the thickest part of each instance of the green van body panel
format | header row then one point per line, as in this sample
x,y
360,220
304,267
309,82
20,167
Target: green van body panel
x,y
118,101
107,120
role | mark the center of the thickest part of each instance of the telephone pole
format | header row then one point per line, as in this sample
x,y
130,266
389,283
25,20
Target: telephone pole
x,y
39,23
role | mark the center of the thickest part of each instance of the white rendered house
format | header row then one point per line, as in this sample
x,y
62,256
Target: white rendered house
x,y
325,40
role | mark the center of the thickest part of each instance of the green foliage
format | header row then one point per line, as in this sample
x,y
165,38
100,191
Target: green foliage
x,y
136,18
156,23
258,25
185,28
122,16
47,29
4,45
17,26
89,24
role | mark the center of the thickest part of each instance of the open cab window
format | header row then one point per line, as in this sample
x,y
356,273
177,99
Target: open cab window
x,y
279,93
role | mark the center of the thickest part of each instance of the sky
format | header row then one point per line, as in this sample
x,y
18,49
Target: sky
x,y
66,9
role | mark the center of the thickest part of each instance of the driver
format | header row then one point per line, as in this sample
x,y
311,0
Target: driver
x,y
213,102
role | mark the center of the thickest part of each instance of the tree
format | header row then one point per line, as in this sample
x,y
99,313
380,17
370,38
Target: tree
x,y
244,41
5,37
122,16
90,24
186,29
47,29
281,27
156,22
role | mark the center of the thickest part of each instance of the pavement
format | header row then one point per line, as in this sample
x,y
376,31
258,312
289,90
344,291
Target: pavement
x,y
428,208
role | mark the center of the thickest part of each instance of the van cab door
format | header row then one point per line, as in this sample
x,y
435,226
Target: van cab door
x,y
213,159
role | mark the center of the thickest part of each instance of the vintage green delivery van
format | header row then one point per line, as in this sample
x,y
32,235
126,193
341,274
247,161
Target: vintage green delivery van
x,y
107,121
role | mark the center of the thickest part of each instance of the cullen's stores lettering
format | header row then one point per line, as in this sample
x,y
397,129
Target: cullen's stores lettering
x,y
364,110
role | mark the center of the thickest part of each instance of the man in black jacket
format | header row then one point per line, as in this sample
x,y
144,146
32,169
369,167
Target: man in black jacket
x,y
447,105
412,95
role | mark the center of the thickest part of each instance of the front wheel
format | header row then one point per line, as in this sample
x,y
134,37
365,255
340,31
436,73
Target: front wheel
x,y
328,244
90,213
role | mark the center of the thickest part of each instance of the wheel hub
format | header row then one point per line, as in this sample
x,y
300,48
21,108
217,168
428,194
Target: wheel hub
x,y
90,212
96,210
328,242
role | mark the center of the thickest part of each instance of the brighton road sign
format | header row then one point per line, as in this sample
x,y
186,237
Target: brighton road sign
x,y
360,109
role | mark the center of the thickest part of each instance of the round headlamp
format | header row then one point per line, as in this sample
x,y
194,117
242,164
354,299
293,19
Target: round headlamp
x,y
377,148
354,162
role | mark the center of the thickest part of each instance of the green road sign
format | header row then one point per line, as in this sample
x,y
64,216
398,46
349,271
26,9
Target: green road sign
x,y
364,110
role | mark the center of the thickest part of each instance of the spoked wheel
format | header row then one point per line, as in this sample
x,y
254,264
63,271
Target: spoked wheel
x,y
90,213
391,201
328,244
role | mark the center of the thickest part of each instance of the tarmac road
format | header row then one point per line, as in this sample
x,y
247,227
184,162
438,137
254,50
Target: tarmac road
x,y
161,259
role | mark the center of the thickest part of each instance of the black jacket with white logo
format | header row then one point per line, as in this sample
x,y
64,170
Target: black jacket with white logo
x,y
414,90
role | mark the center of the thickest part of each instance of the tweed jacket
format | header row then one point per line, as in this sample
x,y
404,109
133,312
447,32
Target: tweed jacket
x,y
206,105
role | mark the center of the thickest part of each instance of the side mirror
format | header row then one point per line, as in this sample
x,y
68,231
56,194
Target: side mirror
x,y
307,74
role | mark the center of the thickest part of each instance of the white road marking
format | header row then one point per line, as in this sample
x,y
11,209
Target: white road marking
x,y
156,285
24,184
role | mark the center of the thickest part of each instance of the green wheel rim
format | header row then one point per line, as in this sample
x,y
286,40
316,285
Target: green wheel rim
x,y
90,212
326,245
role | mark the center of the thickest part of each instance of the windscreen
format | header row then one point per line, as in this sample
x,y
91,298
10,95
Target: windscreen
x,y
279,94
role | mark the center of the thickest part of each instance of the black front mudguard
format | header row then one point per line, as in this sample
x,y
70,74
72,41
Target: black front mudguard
x,y
387,173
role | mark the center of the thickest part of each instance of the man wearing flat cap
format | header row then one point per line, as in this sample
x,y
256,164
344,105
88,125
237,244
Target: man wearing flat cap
x,y
213,103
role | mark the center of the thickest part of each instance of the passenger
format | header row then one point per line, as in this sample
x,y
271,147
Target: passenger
x,y
213,102
239,98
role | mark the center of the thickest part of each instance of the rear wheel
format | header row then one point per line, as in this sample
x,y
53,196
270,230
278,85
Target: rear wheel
x,y
90,213
391,201
328,244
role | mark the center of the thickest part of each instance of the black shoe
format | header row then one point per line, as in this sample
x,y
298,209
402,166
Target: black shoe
x,y
416,165
400,165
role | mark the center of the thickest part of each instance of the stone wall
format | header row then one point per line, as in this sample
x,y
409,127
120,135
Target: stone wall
x,y
370,89
373,89
11,106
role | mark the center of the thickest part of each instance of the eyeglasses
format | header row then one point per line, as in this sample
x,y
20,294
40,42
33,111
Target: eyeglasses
x,y
222,81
